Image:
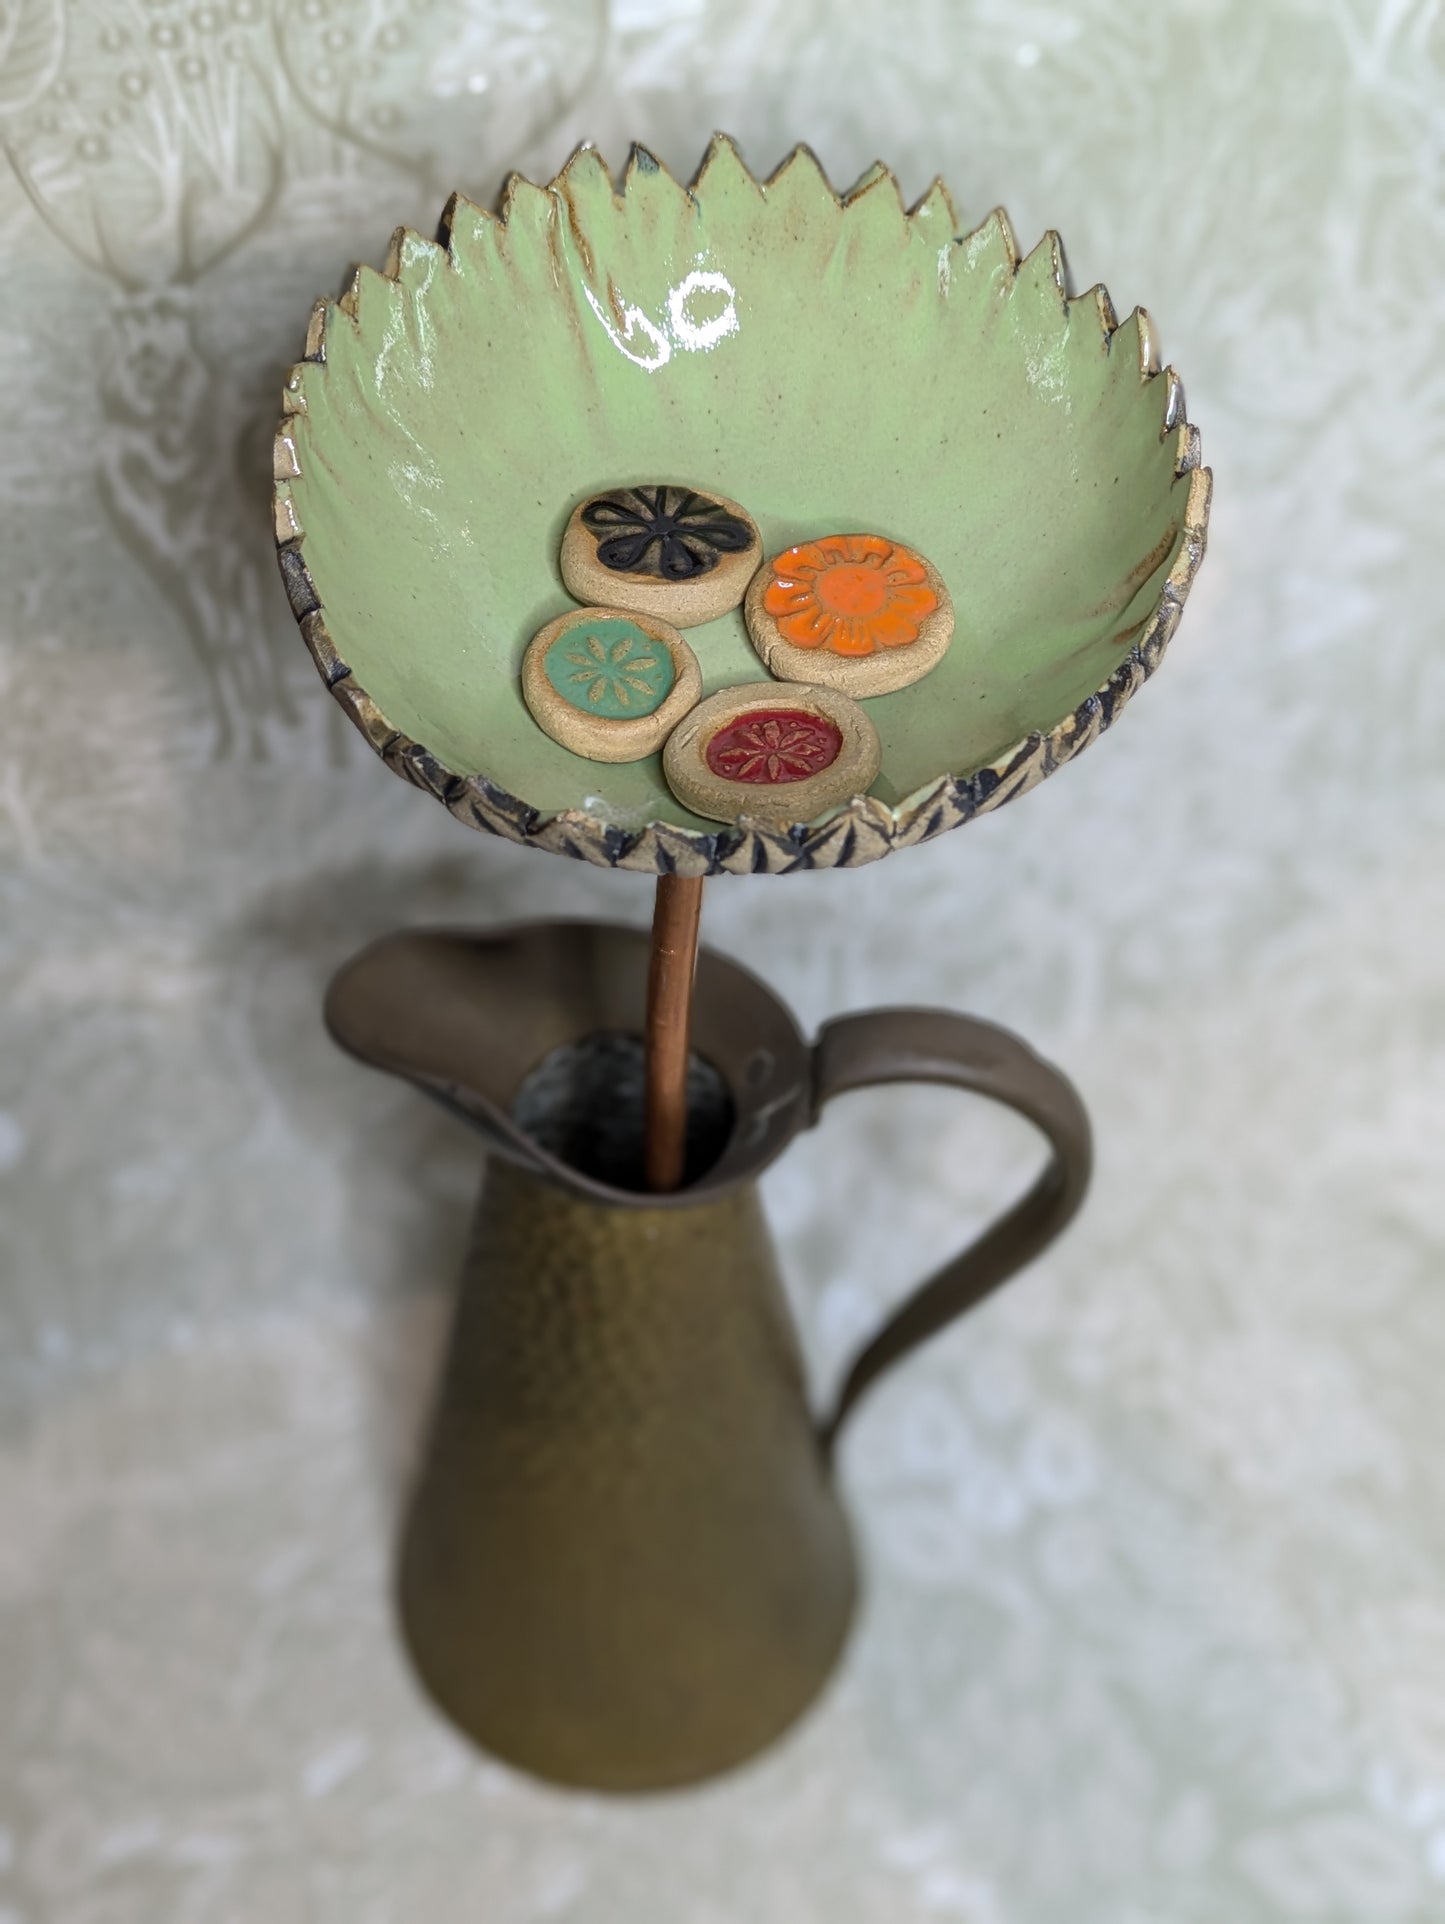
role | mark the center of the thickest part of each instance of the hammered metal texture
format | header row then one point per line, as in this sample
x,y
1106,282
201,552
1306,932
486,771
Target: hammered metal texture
x,y
626,1565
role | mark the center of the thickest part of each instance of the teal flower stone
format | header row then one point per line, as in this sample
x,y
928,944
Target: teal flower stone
x,y
610,668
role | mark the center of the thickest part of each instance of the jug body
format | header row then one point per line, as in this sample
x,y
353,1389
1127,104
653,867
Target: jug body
x,y
625,1565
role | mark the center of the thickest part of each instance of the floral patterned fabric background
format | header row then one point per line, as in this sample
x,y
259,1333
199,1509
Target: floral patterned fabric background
x,y
1156,1623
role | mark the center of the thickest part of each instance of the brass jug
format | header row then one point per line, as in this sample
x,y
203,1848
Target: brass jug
x,y
625,1565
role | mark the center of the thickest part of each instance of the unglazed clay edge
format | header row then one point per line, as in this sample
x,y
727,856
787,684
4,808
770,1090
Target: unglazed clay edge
x,y
864,830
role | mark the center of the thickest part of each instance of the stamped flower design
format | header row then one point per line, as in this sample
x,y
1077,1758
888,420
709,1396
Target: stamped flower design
x,y
851,593
673,533
616,674
772,746
608,686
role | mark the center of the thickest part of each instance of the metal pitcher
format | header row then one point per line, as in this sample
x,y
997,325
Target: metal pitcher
x,y
625,1564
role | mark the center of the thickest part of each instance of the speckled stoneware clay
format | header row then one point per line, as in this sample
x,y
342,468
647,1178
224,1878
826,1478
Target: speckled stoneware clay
x,y
775,753
663,550
609,684
850,611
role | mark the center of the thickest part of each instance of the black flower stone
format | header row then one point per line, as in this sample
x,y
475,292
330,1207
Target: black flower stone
x,y
669,532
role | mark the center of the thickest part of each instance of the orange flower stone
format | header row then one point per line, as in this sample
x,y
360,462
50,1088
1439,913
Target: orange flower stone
x,y
850,593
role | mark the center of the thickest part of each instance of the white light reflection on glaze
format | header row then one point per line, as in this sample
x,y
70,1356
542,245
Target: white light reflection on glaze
x,y
634,322
698,336
695,337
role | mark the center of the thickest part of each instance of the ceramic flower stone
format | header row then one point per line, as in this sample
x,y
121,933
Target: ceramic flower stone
x,y
853,611
775,753
668,551
609,684
452,411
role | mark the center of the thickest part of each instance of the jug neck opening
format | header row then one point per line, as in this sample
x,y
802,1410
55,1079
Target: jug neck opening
x,y
583,1102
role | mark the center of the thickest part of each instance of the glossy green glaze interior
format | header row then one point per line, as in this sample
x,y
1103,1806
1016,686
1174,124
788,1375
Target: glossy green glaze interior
x,y
834,365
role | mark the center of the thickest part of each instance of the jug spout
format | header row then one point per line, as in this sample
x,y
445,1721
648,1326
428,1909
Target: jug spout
x,y
625,1566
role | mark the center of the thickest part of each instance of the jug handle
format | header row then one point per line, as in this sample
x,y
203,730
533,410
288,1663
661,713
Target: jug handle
x,y
934,1045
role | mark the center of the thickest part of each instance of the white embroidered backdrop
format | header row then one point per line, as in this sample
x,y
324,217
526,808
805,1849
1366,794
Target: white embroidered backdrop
x,y
1156,1628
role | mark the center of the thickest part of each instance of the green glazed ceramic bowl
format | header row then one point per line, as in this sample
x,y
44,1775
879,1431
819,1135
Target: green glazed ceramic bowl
x,y
833,363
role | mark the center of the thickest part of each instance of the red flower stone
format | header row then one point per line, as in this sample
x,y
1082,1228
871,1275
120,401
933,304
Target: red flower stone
x,y
773,745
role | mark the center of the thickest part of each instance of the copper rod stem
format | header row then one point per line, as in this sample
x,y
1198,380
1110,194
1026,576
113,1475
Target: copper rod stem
x,y
673,963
